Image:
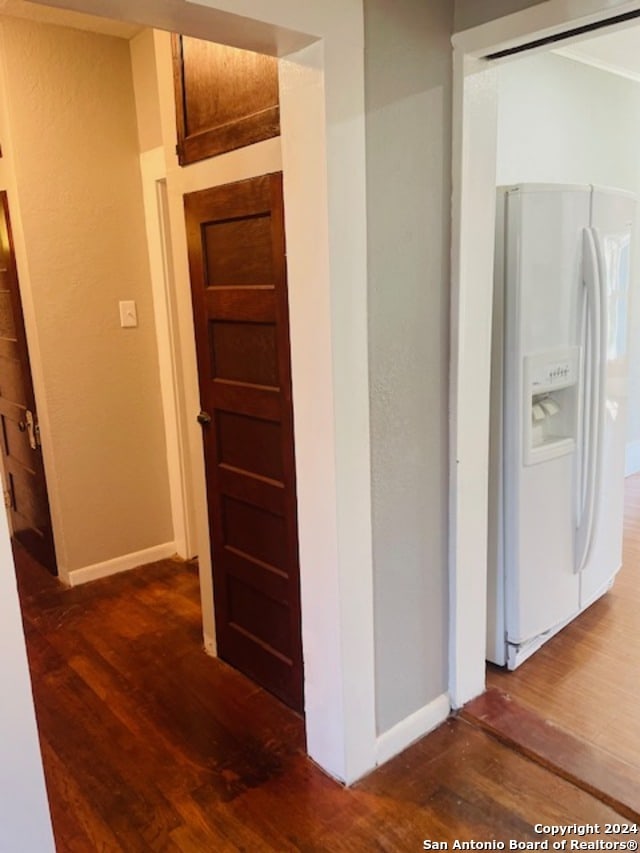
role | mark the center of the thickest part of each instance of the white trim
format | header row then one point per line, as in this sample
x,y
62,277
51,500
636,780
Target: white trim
x,y
322,157
632,458
153,172
412,728
472,277
471,309
121,564
210,645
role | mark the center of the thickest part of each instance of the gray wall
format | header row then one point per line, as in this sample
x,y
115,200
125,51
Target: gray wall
x,y
470,13
408,95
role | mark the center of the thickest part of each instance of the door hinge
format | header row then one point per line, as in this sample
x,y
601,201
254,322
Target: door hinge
x,y
7,499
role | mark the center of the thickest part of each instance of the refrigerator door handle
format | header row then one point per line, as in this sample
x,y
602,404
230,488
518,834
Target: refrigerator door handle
x,y
595,366
600,403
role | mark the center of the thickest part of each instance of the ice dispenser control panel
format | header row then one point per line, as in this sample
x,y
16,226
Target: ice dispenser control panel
x,y
550,404
554,374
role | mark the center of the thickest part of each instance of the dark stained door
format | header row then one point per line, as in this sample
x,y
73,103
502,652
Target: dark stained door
x,y
239,287
23,471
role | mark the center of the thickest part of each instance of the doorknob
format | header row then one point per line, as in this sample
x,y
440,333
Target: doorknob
x,y
32,430
204,418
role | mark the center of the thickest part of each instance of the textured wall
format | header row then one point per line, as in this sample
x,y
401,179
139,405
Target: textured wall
x,y
73,123
408,92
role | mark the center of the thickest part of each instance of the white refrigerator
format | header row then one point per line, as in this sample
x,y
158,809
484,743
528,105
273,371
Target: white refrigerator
x,y
558,409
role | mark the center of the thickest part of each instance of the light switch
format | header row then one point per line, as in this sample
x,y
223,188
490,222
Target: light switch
x,y
128,314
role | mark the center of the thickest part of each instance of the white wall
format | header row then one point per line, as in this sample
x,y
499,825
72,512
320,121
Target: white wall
x,y
24,814
564,121
81,248
408,86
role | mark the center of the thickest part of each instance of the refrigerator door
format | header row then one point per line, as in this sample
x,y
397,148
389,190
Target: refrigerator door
x,y
544,301
612,214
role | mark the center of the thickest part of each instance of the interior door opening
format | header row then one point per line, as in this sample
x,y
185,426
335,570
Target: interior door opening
x,y
26,495
321,204
549,142
269,649
23,477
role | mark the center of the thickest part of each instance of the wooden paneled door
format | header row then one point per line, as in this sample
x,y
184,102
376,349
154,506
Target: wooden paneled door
x,y
23,472
239,288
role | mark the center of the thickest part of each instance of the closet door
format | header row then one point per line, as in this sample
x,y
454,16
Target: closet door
x,y
239,287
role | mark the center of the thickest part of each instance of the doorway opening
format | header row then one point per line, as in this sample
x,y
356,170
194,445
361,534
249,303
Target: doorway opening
x,y
105,396
340,684
558,135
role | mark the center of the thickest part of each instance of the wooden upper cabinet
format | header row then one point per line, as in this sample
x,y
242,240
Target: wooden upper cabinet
x,y
225,98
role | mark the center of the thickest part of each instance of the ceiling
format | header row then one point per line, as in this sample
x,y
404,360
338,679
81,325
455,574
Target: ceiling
x,y
66,18
618,52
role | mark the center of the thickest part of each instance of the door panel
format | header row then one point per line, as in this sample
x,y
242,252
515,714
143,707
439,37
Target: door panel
x,y
239,252
225,98
250,444
244,352
238,279
23,471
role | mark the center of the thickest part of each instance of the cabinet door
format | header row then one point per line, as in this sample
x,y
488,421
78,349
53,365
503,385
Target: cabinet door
x,y
225,98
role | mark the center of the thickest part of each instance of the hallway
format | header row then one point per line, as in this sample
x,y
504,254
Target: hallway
x,y
149,745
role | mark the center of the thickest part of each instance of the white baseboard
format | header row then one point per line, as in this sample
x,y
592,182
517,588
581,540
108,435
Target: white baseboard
x,y
210,646
121,564
632,458
404,733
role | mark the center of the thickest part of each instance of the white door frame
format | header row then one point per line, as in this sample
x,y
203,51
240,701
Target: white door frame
x,y
474,181
154,189
323,150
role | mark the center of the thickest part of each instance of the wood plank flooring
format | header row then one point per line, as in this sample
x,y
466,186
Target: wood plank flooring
x,y
585,679
595,770
150,745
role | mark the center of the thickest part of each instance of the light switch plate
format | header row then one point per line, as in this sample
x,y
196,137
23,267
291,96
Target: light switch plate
x,y
128,314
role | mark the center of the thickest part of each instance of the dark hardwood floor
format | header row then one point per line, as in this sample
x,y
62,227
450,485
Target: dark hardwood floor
x,y
585,679
150,745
